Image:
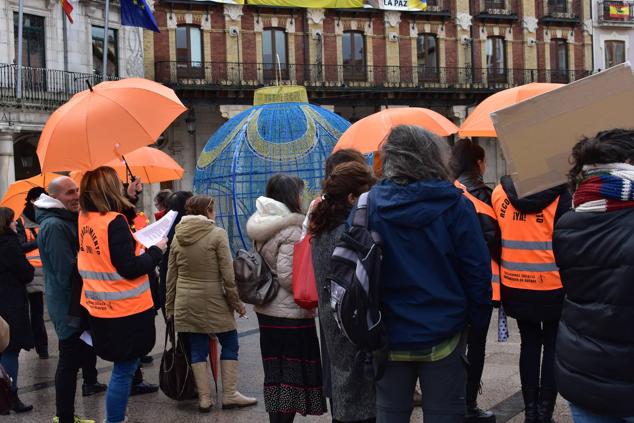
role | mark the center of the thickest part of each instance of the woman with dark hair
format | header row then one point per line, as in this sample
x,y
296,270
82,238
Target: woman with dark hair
x,y
594,249
28,229
202,298
160,202
468,165
176,202
116,290
352,391
15,273
435,277
288,336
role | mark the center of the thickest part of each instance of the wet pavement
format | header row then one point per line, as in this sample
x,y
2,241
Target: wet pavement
x,y
500,392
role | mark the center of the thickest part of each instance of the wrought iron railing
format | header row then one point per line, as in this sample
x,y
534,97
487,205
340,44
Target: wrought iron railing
x,y
42,87
496,7
342,77
616,12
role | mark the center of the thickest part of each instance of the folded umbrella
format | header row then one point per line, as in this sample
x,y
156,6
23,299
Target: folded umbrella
x,y
99,124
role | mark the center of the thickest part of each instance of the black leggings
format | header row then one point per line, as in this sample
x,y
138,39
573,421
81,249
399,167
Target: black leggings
x,y
535,335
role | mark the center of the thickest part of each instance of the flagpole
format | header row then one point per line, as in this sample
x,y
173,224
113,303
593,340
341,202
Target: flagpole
x,y
65,40
18,89
104,64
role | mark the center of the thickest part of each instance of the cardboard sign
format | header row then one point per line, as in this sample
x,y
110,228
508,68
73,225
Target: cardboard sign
x,y
537,135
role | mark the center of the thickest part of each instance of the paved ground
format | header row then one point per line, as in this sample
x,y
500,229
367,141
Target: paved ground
x,y
500,386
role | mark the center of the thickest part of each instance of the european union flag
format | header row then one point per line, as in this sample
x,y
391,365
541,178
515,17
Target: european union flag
x,y
138,13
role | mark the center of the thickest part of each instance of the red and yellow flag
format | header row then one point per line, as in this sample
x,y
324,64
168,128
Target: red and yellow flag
x,y
68,9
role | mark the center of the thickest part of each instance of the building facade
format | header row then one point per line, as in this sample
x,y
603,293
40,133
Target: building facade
x,y
612,25
357,61
58,57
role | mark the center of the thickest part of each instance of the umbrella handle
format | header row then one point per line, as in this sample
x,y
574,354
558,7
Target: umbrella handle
x,y
128,171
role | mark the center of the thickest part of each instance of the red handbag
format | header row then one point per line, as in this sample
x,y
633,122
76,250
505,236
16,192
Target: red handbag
x,y
304,286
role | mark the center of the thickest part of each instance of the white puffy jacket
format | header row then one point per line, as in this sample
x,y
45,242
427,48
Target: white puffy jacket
x,y
275,230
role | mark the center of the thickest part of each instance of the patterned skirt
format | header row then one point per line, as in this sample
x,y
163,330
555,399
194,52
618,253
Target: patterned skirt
x,y
292,368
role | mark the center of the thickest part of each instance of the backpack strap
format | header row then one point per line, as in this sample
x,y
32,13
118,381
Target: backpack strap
x,y
360,217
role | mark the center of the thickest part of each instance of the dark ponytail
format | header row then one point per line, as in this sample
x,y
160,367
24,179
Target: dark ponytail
x,y
613,146
347,178
464,157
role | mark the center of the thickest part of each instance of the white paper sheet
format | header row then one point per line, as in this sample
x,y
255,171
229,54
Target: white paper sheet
x,y
158,230
86,337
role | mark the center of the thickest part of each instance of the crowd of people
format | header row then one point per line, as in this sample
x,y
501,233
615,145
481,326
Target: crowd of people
x,y
559,262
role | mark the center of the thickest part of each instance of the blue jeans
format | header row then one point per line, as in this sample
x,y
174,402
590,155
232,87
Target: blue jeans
x,y
581,415
119,390
9,360
199,346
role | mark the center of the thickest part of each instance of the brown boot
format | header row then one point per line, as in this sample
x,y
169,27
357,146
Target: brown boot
x,y
202,377
231,398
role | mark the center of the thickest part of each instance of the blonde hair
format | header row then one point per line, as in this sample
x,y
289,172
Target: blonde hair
x,y
102,191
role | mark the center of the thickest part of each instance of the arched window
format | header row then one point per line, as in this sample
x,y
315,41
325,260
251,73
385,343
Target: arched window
x,y
354,68
189,52
274,51
614,52
559,61
427,57
496,59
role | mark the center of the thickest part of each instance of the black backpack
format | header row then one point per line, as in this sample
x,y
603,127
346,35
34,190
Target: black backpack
x,y
355,269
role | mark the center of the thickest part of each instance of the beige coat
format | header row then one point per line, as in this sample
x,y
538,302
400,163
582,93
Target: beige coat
x,y
275,231
201,290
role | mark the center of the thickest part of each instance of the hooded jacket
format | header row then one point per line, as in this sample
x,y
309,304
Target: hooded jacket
x,y
275,230
436,269
201,290
58,245
525,304
594,354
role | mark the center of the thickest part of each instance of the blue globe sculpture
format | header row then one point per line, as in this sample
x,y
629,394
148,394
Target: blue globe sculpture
x,y
279,136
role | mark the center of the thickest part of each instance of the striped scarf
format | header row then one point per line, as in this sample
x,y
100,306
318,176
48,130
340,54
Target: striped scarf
x,y
606,187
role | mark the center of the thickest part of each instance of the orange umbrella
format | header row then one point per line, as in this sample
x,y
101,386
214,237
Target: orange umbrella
x,y
367,134
150,164
479,124
101,123
16,194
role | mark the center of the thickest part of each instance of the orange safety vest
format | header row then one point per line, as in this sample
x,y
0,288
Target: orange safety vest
x,y
484,208
32,256
107,294
140,221
528,261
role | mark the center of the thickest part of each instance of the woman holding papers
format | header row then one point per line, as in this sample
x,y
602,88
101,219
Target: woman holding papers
x,y
116,290
202,298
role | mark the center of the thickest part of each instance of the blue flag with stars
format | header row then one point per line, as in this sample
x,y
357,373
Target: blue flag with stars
x,y
138,13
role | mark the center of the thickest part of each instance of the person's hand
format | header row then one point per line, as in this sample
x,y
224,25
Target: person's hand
x,y
134,188
162,244
242,311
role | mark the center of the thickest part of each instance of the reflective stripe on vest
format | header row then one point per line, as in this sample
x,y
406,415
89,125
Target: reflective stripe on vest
x,y
32,256
528,261
483,208
105,293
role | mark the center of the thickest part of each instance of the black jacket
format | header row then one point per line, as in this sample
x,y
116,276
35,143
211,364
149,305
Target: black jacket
x,y
595,344
526,304
129,337
476,187
15,273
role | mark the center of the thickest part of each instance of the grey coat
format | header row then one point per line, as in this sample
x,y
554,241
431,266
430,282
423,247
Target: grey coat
x,y
353,392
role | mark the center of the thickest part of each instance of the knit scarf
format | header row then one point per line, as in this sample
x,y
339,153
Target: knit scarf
x,y
605,187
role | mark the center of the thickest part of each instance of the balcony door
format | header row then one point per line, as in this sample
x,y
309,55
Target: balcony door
x,y
496,59
189,52
427,57
614,53
559,61
33,50
557,6
274,54
354,67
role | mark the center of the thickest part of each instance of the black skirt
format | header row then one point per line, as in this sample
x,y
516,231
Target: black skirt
x,y
292,368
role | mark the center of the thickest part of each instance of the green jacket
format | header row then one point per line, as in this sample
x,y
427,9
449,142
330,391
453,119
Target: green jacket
x,y
58,245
